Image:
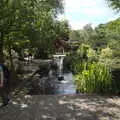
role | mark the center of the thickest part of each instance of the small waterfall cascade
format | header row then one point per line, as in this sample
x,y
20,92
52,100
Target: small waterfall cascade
x,y
59,60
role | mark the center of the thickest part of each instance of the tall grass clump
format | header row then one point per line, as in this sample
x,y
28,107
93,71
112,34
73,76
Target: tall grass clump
x,y
95,78
79,58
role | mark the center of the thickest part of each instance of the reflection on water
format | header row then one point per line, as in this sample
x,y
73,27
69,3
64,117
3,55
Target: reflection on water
x,y
52,85
63,81
61,87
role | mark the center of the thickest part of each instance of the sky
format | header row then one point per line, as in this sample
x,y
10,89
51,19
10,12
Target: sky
x,y
82,12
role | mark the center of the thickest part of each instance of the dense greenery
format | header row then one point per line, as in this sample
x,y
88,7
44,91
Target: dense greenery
x,y
31,26
96,62
115,4
97,47
102,36
95,77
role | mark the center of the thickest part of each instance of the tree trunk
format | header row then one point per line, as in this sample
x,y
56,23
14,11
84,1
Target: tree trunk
x,y
1,48
21,65
12,67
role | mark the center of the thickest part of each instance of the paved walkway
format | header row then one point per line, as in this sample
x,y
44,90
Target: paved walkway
x,y
62,107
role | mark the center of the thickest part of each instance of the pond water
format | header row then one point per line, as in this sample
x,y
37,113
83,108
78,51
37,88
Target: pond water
x,y
52,86
63,83
65,86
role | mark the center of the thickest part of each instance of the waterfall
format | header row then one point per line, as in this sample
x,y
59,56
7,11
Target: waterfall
x,y
60,59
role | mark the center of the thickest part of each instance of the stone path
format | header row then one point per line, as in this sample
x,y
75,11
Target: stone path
x,y
62,107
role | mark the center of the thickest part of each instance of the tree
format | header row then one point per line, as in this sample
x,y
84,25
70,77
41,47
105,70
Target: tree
x,y
85,35
74,35
14,16
51,29
113,36
101,40
17,17
23,22
115,4
62,29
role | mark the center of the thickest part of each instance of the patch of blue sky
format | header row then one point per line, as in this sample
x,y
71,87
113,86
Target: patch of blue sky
x,y
82,12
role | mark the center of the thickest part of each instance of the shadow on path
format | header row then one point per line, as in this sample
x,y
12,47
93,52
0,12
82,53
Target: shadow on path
x,y
62,107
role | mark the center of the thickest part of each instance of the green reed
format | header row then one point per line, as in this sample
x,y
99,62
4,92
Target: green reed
x,y
95,77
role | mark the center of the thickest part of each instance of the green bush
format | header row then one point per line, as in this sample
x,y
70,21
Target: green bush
x,y
44,68
67,64
77,61
116,80
95,77
72,61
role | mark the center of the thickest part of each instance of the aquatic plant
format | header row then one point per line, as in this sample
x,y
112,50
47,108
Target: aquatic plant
x,y
96,77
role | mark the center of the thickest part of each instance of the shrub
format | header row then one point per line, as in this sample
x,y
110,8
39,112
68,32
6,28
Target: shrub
x,y
67,64
116,80
44,68
95,77
106,53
